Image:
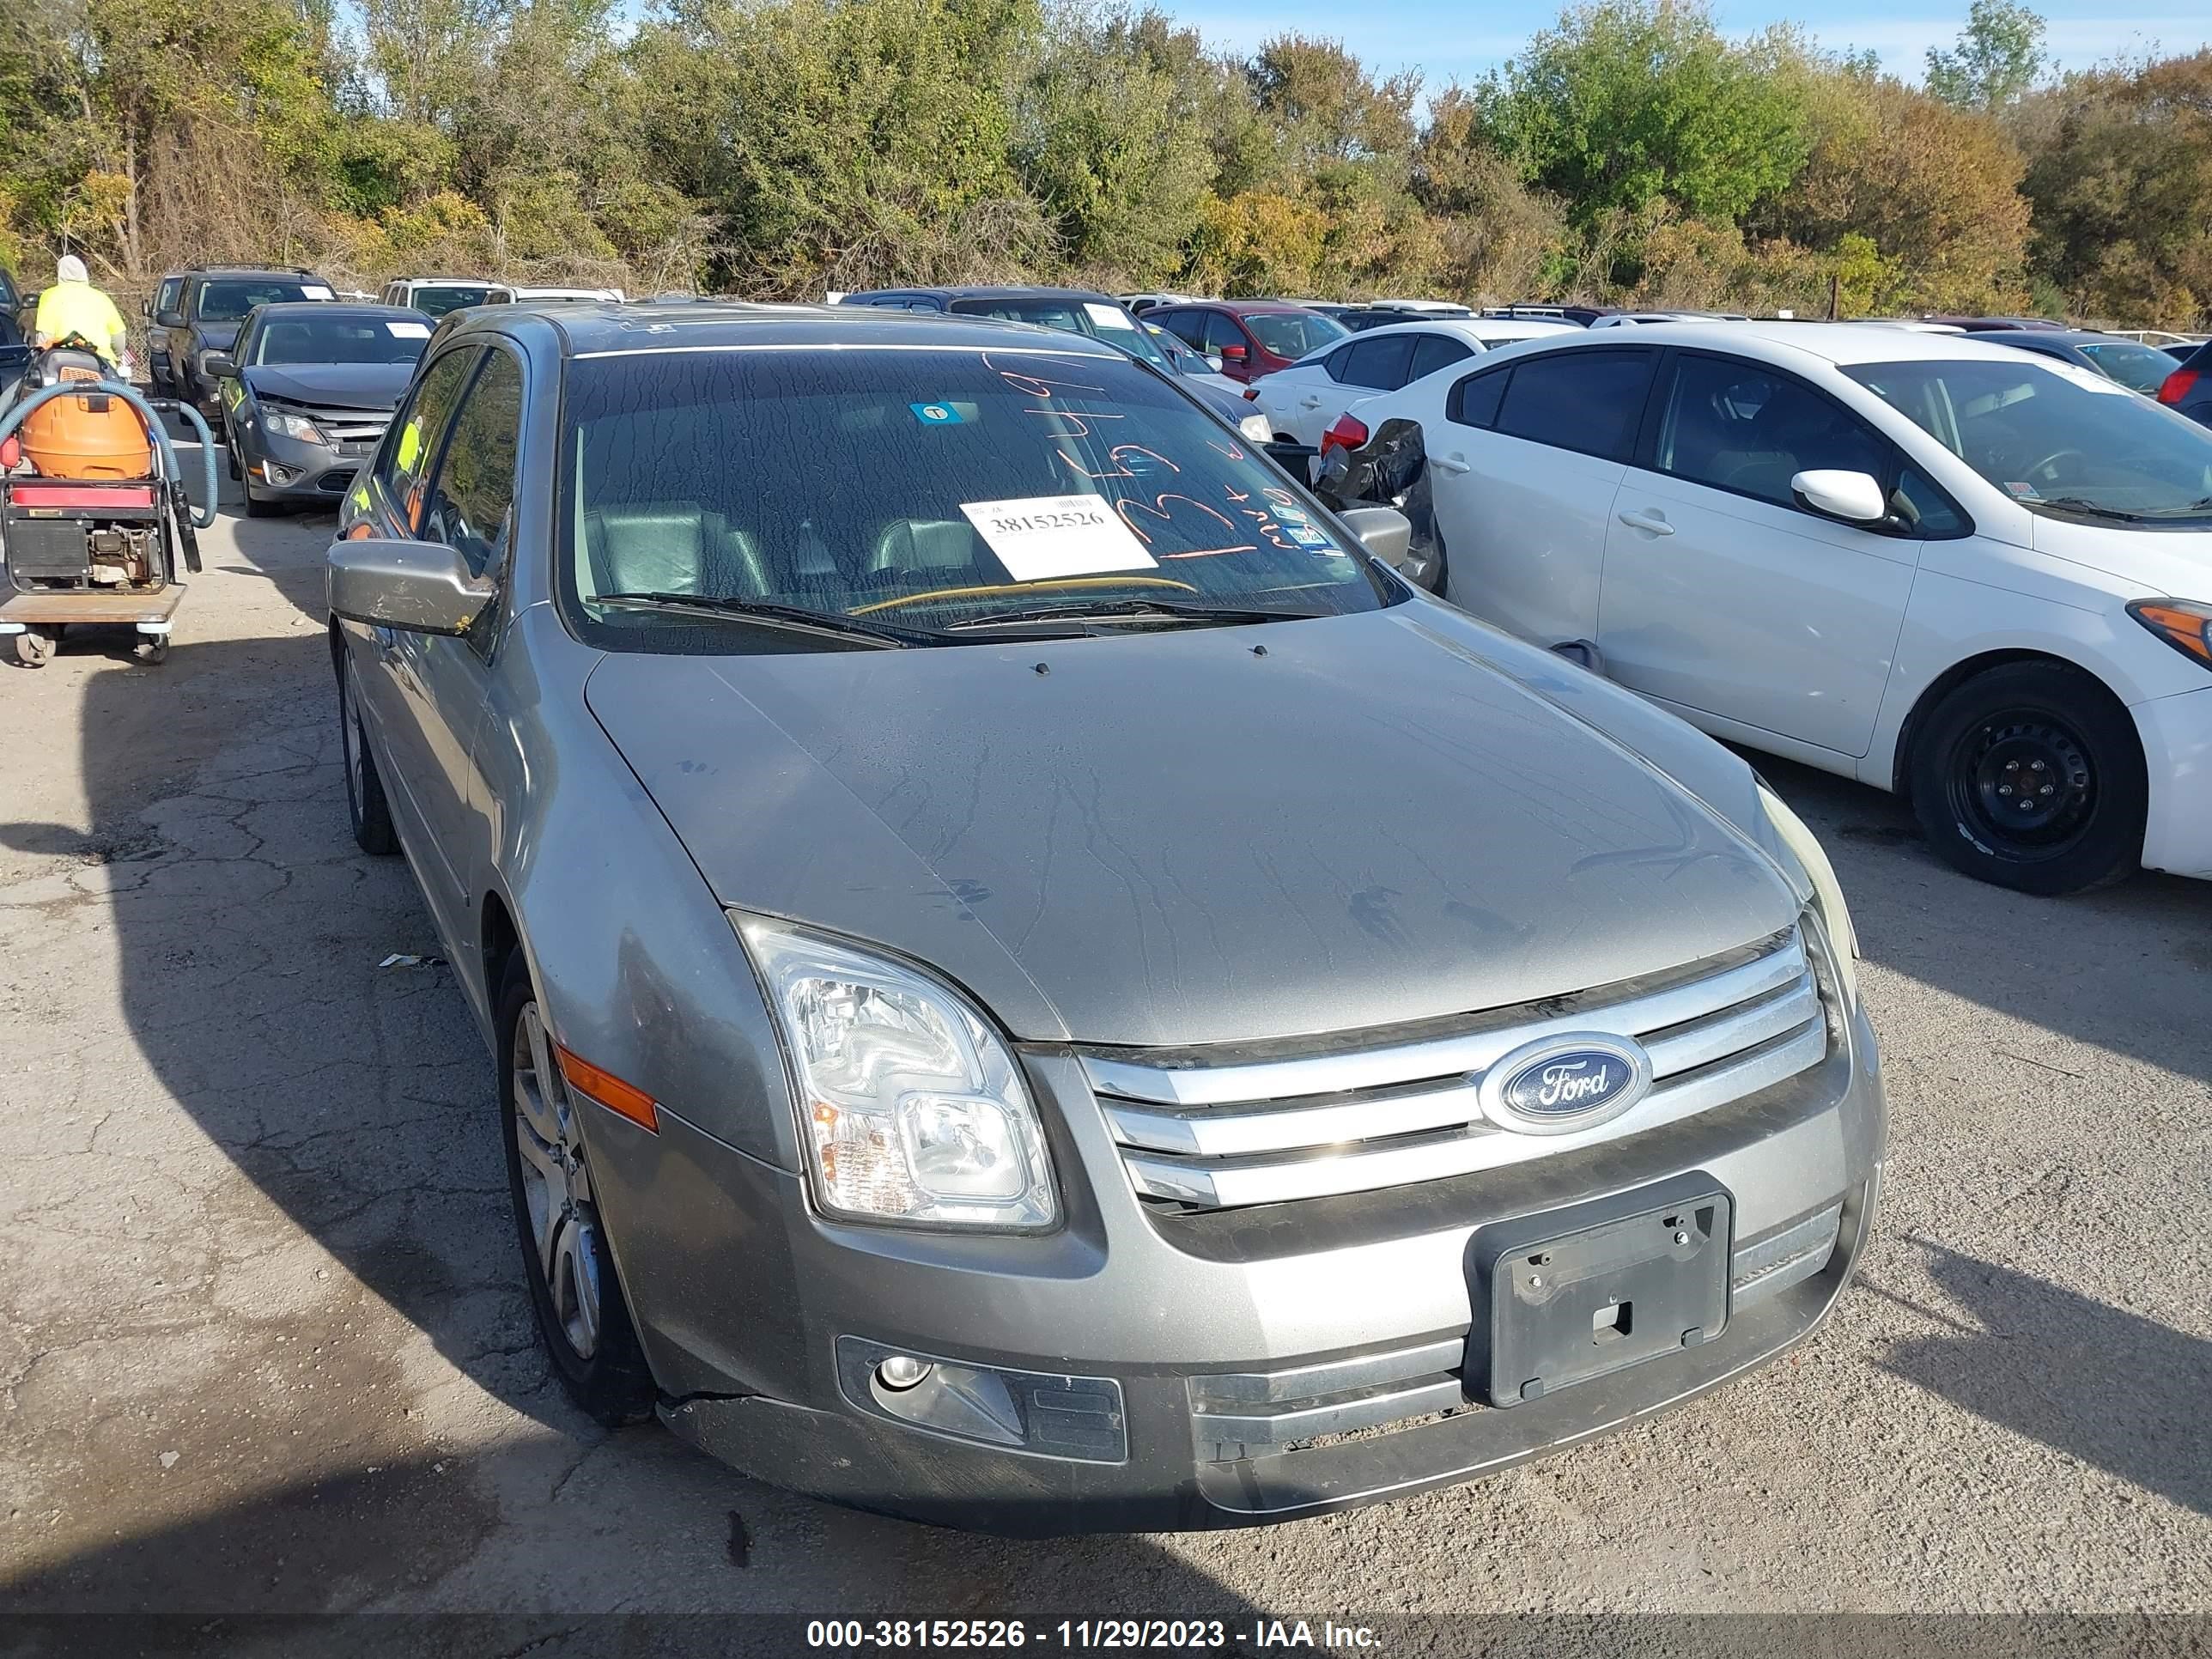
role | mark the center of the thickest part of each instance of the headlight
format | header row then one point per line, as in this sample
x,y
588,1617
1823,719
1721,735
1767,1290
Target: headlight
x,y
1827,893
2184,626
1257,428
910,1108
291,426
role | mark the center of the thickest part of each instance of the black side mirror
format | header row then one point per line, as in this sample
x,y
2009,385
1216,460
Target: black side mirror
x,y
169,319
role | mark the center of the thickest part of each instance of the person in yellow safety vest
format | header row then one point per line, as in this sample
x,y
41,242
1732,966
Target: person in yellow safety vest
x,y
73,305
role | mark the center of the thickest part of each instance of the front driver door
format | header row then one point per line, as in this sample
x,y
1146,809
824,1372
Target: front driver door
x,y
470,507
388,668
1722,594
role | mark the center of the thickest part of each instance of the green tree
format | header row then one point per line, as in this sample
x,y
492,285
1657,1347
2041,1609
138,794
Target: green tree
x,y
1999,54
1631,101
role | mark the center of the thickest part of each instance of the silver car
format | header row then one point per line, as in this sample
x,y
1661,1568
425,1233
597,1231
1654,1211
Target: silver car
x,y
1036,983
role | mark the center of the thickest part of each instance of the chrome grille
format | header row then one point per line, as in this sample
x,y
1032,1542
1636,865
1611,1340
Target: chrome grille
x,y
355,431
1267,1131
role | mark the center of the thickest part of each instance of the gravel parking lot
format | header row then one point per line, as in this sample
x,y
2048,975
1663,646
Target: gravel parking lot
x,y
265,1348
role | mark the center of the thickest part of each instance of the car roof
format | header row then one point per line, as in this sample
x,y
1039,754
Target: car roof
x,y
340,308
1841,345
1475,331
1246,307
987,292
455,282
607,329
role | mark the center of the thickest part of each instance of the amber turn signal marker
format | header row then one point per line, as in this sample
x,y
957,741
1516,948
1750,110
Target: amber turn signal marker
x,y
2184,626
610,1091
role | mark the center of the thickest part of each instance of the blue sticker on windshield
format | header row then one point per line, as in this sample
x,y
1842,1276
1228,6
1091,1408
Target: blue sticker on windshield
x,y
1307,536
935,414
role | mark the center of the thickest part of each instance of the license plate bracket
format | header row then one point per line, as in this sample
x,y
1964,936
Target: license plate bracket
x,y
1566,1295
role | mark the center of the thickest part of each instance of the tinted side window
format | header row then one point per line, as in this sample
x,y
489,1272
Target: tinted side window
x,y
1588,400
165,298
473,499
1473,401
1189,326
1436,351
1382,363
1741,426
1337,362
413,443
1924,510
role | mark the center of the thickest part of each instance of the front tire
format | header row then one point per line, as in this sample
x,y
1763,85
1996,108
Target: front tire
x,y
365,804
583,1322
2030,776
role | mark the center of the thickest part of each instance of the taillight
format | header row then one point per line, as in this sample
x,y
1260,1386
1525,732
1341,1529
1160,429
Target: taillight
x,y
1251,394
1346,433
2176,385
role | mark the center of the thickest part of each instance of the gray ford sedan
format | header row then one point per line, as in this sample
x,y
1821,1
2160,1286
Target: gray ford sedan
x,y
1036,983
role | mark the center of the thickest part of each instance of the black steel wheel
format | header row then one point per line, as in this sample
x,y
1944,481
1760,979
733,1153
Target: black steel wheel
x,y
2030,775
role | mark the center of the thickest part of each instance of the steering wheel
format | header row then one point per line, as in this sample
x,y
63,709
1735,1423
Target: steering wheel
x,y
2056,456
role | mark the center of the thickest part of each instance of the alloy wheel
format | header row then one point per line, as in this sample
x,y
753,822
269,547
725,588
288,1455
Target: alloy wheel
x,y
556,1186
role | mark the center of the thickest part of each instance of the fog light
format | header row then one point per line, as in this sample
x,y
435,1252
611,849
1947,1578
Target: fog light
x,y
902,1371
277,473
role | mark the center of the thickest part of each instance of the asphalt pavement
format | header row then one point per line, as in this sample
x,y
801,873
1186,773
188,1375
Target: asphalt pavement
x,y
265,1348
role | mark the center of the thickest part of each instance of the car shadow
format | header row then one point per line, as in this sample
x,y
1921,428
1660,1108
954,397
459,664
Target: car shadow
x,y
2112,1388
2127,969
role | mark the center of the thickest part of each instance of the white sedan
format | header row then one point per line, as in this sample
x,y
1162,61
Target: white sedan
x,y
1302,401
1934,564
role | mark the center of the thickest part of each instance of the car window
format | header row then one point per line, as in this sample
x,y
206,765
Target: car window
x,y
1435,351
412,444
1099,320
1586,400
2061,442
1740,427
1189,326
473,501
439,298
967,482
1923,509
1382,362
226,299
1294,333
2138,367
164,297
295,338
1473,401
1337,363
1221,332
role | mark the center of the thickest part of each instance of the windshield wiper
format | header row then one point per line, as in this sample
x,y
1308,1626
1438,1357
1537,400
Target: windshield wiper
x,y
797,617
2088,509
1203,615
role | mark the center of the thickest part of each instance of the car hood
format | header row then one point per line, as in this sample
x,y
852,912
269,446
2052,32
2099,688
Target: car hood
x,y
375,386
2164,563
1168,838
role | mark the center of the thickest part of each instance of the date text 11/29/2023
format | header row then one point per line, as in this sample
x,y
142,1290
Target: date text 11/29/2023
x,y
1086,1635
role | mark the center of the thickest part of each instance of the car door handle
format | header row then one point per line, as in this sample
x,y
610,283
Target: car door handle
x,y
1654,521
1451,464
1310,402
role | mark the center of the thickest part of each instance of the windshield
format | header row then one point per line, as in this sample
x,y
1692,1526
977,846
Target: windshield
x,y
341,339
1095,318
931,488
1293,334
2138,367
437,302
2056,439
227,300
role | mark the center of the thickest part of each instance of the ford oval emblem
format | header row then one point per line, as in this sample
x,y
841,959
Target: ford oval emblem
x,y
1560,1084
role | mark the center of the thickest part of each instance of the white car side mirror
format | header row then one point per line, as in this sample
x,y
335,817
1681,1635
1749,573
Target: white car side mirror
x,y
1854,497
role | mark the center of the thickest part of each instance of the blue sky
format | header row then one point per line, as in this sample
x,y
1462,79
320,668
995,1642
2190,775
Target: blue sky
x,y
1447,41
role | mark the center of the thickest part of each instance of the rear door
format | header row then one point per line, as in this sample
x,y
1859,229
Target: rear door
x,y
1522,470
1723,595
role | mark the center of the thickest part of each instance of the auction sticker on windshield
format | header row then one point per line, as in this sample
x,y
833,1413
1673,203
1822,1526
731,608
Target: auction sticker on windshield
x,y
1107,316
1043,537
408,330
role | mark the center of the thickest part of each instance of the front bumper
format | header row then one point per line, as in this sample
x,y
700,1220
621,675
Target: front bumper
x,y
287,469
2177,740
1173,1317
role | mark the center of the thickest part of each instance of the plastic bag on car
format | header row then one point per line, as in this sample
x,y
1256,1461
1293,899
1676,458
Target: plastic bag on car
x,y
1391,469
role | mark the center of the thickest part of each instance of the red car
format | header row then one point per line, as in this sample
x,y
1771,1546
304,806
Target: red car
x,y
1247,338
